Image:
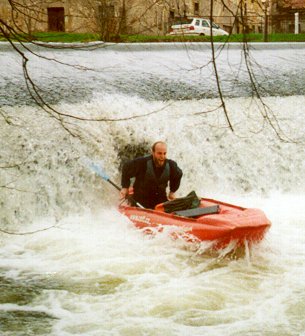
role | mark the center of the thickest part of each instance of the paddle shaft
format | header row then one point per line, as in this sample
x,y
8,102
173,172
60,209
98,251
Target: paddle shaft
x,y
100,172
115,185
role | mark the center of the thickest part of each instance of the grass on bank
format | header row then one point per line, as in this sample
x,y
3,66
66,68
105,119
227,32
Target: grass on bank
x,y
87,37
231,38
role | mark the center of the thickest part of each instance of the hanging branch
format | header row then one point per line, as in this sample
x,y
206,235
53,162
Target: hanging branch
x,y
223,104
266,112
63,118
28,232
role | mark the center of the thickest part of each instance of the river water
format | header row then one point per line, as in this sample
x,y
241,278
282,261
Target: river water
x,y
72,265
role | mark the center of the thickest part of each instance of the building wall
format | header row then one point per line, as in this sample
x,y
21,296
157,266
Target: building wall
x,y
79,15
284,15
156,17
110,17
130,16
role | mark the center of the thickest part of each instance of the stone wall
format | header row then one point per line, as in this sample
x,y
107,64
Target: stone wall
x,y
110,17
156,17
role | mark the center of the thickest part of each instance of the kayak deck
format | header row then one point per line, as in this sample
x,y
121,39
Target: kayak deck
x,y
226,223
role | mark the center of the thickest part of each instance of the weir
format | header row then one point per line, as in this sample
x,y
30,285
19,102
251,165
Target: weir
x,y
92,272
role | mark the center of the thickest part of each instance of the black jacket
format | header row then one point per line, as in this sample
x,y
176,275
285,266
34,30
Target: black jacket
x,y
151,182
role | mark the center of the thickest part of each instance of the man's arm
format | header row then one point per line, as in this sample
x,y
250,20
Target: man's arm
x,y
175,178
131,169
127,173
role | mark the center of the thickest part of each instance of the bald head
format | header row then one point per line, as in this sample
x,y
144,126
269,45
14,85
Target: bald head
x,y
159,151
156,144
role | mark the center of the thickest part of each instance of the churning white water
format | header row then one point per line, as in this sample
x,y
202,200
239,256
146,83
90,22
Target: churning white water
x,y
72,265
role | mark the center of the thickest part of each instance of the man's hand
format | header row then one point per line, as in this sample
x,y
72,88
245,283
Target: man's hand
x,y
123,193
171,196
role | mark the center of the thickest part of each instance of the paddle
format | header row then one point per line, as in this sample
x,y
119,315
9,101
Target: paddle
x,y
100,172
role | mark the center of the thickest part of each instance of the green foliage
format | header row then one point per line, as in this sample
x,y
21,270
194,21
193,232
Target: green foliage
x,y
65,37
87,37
56,37
232,38
280,37
286,38
168,38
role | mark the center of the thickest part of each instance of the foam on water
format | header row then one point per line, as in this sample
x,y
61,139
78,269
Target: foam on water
x,y
87,270
97,274
47,175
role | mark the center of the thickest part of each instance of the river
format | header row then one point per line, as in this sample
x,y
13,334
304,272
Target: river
x,y
72,265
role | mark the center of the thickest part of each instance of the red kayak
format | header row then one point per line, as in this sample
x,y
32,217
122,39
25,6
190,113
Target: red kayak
x,y
212,221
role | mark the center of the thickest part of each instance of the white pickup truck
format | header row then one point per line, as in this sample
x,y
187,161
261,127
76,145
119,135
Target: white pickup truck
x,y
196,26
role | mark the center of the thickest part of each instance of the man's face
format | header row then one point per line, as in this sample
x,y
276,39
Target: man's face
x,y
159,155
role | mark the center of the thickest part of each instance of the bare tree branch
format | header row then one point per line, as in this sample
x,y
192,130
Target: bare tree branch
x,y
28,232
223,104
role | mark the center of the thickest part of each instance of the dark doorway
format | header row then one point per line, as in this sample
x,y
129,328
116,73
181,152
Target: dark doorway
x,y
56,19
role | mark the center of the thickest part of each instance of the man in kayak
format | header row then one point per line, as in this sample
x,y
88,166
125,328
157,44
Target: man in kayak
x,y
152,175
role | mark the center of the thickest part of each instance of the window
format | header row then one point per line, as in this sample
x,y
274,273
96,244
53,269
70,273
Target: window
x,y
56,19
196,8
205,23
197,23
106,11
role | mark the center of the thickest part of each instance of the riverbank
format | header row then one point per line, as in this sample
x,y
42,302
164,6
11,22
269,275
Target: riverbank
x,y
6,46
85,38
